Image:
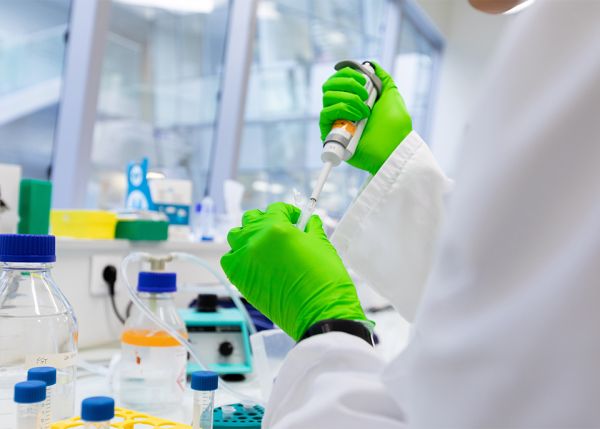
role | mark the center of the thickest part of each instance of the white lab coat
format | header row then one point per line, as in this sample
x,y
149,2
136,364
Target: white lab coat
x,y
507,331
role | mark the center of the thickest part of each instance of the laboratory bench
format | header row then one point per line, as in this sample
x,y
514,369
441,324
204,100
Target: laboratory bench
x,y
392,330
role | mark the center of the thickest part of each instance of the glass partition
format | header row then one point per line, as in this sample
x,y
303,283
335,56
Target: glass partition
x,y
296,46
159,91
415,63
32,46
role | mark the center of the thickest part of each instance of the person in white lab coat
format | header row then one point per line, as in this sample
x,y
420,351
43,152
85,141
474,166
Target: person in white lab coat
x,y
506,334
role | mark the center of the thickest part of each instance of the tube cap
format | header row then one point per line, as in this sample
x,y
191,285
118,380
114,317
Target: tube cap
x,y
47,374
205,380
153,282
27,248
30,392
97,409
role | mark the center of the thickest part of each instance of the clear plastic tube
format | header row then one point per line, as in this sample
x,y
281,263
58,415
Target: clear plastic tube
x,y
204,402
228,411
29,416
141,256
48,414
248,405
306,213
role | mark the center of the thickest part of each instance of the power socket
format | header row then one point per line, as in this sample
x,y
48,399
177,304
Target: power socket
x,y
98,287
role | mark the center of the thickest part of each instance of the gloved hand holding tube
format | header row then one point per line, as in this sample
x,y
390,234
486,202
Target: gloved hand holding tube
x,y
295,278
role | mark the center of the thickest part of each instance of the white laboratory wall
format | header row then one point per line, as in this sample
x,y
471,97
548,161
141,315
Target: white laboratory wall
x,y
471,41
74,274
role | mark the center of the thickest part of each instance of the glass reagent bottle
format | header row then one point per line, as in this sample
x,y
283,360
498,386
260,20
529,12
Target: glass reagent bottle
x,y
153,364
37,322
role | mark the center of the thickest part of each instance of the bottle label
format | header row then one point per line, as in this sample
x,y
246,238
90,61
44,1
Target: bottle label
x,y
57,360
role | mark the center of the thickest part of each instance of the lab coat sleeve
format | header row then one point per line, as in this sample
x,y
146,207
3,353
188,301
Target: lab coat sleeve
x,y
387,236
330,381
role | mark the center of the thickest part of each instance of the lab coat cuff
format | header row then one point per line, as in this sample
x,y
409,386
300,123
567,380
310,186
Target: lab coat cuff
x,y
376,191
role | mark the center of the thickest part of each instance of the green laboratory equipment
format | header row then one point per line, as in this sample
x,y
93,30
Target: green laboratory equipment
x,y
35,197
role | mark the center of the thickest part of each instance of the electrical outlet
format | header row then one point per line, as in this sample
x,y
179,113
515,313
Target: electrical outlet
x,y
98,286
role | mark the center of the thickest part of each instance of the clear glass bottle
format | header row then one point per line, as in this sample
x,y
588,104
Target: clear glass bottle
x,y
29,397
204,385
37,322
153,363
97,412
47,374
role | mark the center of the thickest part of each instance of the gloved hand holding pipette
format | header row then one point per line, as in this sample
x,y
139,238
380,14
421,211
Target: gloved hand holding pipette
x,y
344,97
363,120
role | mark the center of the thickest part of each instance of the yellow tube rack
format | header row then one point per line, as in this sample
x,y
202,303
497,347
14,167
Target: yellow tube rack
x,y
127,419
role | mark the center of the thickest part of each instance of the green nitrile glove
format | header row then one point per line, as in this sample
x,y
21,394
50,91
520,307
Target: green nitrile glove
x,y
295,278
389,123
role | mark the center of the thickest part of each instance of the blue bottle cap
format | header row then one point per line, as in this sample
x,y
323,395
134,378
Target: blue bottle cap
x,y
153,282
205,380
97,409
30,392
47,374
27,248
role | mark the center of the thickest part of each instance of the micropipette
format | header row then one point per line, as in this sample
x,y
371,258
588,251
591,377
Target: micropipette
x,y
340,144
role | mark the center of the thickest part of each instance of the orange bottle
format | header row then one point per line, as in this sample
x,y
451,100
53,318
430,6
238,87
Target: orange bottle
x,y
153,364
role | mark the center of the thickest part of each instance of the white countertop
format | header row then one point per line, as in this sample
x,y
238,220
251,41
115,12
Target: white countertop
x,y
391,329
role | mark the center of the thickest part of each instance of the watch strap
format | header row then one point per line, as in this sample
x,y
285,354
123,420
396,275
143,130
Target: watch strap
x,y
352,327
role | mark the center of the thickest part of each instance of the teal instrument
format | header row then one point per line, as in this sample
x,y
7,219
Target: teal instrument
x,y
219,336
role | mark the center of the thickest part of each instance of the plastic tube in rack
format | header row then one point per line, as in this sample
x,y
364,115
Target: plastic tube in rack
x,y
204,384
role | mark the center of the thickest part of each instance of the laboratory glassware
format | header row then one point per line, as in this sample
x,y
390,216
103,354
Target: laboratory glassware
x,y
204,384
153,364
158,262
37,323
29,397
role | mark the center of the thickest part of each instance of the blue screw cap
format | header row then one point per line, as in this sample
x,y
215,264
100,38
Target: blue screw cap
x,y
47,374
27,248
153,282
205,380
97,409
30,392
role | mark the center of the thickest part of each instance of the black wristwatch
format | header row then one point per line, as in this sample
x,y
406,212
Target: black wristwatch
x,y
351,327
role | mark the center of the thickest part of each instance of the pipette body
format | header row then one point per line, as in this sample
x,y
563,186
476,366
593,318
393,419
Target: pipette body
x,y
341,142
